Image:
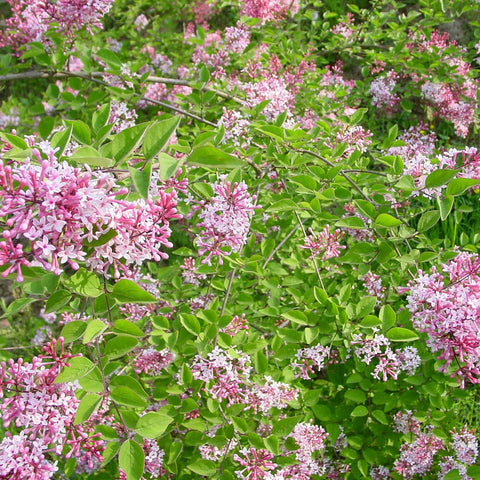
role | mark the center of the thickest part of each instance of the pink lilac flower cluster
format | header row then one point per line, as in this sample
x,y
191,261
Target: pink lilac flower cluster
x,y
43,414
268,10
326,245
237,38
153,458
344,28
31,19
333,79
225,220
373,285
54,208
237,324
312,360
228,377
211,452
256,463
189,273
447,312
381,90
140,22
11,119
237,127
121,116
405,422
417,139
449,104
356,138
153,362
416,458
467,160
390,363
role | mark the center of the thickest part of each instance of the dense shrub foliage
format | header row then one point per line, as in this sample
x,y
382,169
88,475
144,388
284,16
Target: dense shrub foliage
x,y
239,239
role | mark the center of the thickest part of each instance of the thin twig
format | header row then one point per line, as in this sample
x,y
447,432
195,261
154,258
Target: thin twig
x,y
280,245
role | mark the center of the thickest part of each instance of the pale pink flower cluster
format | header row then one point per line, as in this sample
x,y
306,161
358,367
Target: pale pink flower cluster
x,y
379,472
211,452
344,28
360,234
189,273
326,245
43,414
450,104
153,91
31,19
468,160
267,10
390,363
228,377
225,220
356,138
237,324
11,119
447,312
405,422
237,38
51,209
153,362
416,458
381,90
153,458
256,463
121,116
237,127
373,285
140,22
332,79
311,360
417,139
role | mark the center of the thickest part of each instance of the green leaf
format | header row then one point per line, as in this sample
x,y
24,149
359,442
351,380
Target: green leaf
x,y
92,381
190,323
386,220
398,334
109,57
152,424
100,117
445,205
357,396
73,330
168,165
320,295
359,411
387,316
120,345
211,157
60,140
80,131
92,157
439,177
131,460
125,142
87,406
79,367
282,206
14,141
126,396
158,136
205,468
350,222
284,426
365,306
240,424
141,179
45,126
392,135
17,306
124,326
370,321
111,449
131,382
458,185
380,416
102,239
296,316
357,116
57,300
126,291
84,283
428,220
94,328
